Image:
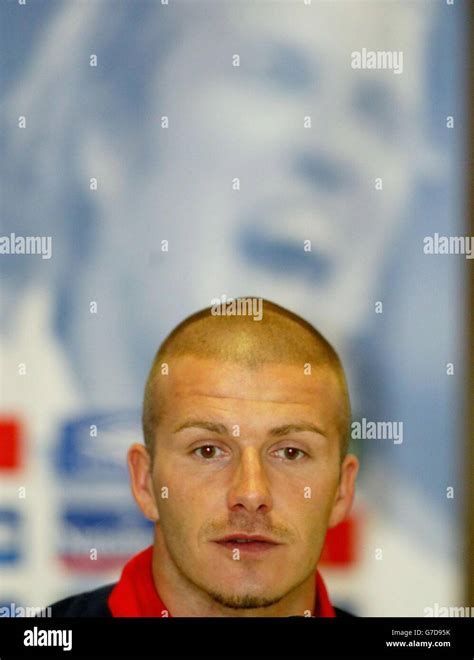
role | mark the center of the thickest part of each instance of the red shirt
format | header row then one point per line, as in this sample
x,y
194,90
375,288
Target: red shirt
x,y
135,593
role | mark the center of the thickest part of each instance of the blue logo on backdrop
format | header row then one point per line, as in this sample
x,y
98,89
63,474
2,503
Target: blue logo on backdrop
x,y
94,447
99,526
95,539
10,542
8,608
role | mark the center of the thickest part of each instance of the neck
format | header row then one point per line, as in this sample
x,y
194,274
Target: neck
x,y
183,598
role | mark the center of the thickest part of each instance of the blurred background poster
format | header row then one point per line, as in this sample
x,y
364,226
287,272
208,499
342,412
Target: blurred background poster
x,y
170,153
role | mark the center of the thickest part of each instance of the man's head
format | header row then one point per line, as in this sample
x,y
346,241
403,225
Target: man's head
x,y
246,425
280,337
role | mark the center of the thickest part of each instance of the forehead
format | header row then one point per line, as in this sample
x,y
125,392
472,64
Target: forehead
x,y
324,27
313,40
195,383
312,25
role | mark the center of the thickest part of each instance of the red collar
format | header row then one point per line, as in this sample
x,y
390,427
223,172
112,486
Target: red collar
x,y
135,593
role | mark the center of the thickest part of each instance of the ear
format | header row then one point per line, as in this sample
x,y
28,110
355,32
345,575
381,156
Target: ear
x,y
346,490
139,465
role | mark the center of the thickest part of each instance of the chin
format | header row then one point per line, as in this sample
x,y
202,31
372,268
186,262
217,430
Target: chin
x,y
245,599
240,584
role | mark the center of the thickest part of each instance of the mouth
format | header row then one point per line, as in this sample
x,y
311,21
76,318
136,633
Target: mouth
x,y
272,235
248,543
275,253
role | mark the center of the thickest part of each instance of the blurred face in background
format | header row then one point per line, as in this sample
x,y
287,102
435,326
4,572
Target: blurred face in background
x,y
226,122
296,183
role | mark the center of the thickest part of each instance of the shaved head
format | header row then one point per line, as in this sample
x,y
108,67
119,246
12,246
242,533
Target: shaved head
x,y
278,337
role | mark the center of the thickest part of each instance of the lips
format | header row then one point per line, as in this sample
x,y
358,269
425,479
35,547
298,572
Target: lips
x,y
246,538
248,544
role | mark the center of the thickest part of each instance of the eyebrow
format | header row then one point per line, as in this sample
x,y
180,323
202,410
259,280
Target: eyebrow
x,y
277,431
296,428
198,424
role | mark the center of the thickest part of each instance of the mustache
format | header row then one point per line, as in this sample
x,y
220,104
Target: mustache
x,y
245,525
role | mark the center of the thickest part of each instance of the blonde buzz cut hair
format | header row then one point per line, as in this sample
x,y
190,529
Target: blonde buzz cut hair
x,y
280,337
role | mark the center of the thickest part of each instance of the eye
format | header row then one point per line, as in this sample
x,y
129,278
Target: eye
x,y
280,66
291,453
209,451
288,68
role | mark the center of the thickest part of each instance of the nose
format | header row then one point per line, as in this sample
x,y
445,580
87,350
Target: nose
x,y
250,489
323,172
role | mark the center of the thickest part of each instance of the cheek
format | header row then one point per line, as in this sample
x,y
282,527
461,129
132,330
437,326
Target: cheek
x,y
316,479
170,490
309,498
180,502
